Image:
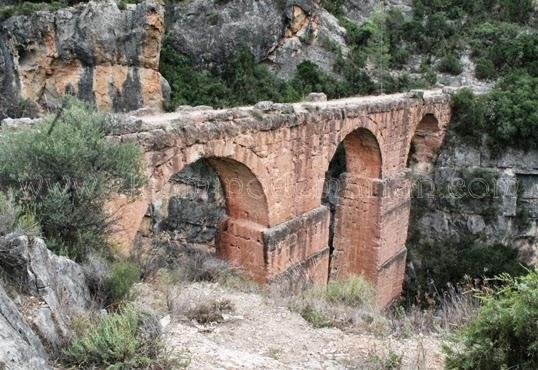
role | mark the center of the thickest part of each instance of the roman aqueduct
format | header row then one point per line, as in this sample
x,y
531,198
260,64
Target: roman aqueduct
x,y
272,159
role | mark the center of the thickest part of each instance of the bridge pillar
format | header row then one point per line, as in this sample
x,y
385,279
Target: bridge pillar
x,y
370,230
297,250
291,253
240,243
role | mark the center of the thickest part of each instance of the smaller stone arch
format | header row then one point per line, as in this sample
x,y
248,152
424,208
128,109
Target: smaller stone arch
x,y
363,154
424,144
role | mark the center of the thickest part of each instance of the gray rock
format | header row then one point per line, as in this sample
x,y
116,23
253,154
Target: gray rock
x,y
20,348
316,97
56,282
264,106
211,32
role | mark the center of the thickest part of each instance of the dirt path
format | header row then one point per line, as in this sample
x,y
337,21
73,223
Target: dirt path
x,y
263,334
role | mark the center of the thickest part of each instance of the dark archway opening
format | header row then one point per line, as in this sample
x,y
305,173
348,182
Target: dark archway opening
x,y
331,189
196,207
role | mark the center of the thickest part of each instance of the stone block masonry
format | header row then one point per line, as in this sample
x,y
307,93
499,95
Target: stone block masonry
x,y
272,165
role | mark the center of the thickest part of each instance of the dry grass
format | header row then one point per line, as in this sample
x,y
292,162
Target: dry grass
x,y
193,305
349,305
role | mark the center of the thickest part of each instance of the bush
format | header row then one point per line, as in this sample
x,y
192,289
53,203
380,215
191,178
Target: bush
x,y
342,303
451,64
485,69
512,112
63,170
504,334
353,291
120,340
468,115
120,281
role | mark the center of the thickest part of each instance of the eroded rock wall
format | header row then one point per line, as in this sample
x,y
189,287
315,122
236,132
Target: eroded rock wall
x,y
280,33
472,194
95,51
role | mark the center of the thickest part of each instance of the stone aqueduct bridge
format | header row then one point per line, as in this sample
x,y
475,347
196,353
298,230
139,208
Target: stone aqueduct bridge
x,y
272,159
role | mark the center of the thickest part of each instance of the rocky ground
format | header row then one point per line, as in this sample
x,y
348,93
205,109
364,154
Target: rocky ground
x,y
260,332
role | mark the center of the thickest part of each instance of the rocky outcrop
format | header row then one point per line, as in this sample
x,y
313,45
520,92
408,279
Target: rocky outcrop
x,y
20,348
474,195
95,51
278,32
48,289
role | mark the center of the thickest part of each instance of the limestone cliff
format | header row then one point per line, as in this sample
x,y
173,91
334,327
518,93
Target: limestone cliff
x,y
280,33
95,51
472,194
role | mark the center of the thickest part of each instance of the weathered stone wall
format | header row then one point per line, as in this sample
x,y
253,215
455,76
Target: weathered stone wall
x,y
272,164
504,208
95,51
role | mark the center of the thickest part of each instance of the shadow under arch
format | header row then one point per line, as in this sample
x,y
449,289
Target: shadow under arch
x,y
351,192
233,219
424,144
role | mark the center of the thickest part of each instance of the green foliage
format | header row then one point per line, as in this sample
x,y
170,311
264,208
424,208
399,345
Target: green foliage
x,y
121,340
30,7
507,46
353,291
504,334
468,115
512,112
450,63
485,69
317,318
333,6
63,171
120,281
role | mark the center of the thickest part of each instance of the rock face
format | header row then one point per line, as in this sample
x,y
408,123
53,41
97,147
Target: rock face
x,y
279,32
20,348
49,289
479,196
95,51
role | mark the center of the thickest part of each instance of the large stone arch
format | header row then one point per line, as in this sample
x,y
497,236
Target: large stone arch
x,y
356,221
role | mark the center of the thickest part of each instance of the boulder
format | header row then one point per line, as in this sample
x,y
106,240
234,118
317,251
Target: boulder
x,y
51,288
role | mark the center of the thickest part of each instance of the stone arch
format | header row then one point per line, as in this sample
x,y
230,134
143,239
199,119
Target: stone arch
x,y
238,238
355,218
244,194
424,144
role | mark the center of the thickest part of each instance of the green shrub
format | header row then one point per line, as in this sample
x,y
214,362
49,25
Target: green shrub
x,y
485,69
120,281
512,112
468,115
352,291
63,170
127,339
451,64
504,334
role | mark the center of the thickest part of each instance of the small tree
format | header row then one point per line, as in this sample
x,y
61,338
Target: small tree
x,y
504,335
63,170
